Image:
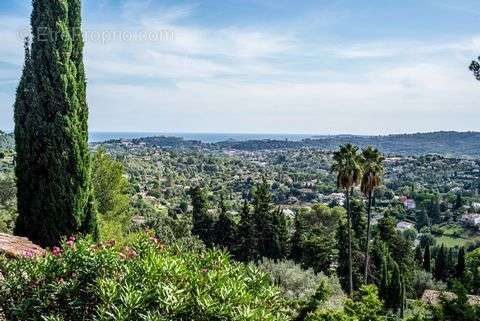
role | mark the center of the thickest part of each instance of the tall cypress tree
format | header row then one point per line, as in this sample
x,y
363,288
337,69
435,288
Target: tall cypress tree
x,y
451,263
395,289
458,202
434,210
427,258
25,102
440,271
460,268
55,196
384,280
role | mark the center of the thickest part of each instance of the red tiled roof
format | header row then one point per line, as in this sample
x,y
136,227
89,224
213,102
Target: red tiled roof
x,y
433,297
15,246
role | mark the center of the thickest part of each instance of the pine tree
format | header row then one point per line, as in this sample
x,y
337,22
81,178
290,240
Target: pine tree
x,y
53,170
296,241
224,228
280,235
202,222
427,257
264,221
440,271
460,268
246,249
422,219
386,229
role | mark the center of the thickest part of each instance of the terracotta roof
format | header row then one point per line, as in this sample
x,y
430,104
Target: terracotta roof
x,y
433,297
15,246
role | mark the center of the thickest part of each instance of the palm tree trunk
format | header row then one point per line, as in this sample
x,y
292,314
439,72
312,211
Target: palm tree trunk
x,y
367,246
349,226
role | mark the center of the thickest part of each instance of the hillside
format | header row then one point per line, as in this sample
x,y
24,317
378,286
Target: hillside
x,y
454,143
6,141
444,143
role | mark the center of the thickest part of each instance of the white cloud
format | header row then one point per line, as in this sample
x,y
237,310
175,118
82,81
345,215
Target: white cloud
x,y
403,99
401,49
238,79
12,32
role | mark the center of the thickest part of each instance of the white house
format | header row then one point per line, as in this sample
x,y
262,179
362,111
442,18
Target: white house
x,y
403,226
289,213
336,197
471,219
410,204
476,206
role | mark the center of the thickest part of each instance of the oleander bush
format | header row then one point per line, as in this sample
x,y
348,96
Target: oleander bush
x,y
145,281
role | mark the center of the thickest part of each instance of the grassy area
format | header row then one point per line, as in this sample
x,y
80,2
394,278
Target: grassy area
x,y
454,235
454,230
466,238
449,241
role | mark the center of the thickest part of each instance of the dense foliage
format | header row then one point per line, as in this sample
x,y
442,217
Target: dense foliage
x,y
247,221
145,281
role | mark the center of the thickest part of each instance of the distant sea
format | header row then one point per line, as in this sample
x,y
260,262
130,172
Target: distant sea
x,y
96,137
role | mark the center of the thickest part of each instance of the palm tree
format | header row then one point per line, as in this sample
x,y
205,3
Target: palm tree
x,y
346,163
372,168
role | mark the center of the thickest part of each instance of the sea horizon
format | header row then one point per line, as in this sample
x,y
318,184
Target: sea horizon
x,y
101,136
204,137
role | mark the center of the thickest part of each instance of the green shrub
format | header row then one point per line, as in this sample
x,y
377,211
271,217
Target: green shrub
x,y
110,185
331,315
7,220
8,202
145,281
364,306
299,284
422,280
169,229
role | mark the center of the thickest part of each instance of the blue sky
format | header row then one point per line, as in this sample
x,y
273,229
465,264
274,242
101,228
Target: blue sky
x,y
271,66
